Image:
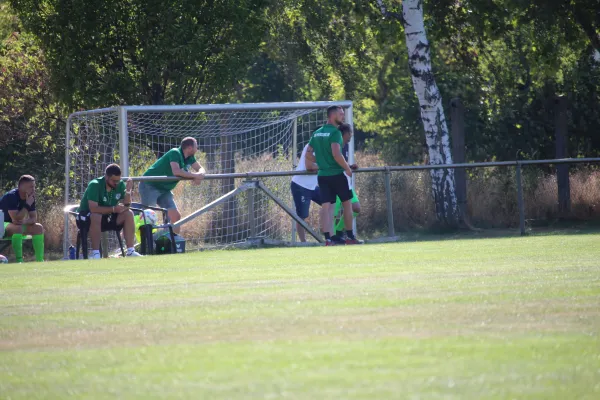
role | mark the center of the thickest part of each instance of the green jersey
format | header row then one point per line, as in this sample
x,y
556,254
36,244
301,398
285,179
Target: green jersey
x,y
321,142
162,167
96,191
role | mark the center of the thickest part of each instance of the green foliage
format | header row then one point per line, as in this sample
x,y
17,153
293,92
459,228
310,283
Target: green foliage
x,y
129,52
506,60
8,21
31,122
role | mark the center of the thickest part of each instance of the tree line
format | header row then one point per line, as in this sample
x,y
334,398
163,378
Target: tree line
x,y
506,60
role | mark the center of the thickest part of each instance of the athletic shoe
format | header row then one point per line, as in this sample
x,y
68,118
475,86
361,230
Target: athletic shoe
x,y
354,241
329,242
134,254
95,256
338,240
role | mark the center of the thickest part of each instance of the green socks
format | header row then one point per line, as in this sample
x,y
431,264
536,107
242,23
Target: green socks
x,y
339,226
38,246
17,245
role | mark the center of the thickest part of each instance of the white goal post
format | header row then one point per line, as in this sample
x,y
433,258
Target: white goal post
x,y
232,138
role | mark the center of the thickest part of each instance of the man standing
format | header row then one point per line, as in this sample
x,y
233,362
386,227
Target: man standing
x,y
100,209
20,218
346,130
305,190
325,147
175,162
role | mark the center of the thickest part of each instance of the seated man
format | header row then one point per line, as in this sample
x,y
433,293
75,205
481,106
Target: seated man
x,y
175,162
100,209
20,218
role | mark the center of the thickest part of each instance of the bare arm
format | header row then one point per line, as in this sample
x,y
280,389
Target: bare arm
x,y
310,159
96,209
177,171
311,166
128,191
18,217
198,168
339,158
32,220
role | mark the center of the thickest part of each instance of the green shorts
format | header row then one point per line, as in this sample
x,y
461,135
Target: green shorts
x,y
338,203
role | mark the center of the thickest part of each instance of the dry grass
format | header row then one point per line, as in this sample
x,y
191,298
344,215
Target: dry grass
x,y
491,193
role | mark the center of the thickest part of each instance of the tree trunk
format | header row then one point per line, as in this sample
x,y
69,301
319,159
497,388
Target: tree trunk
x,y
432,112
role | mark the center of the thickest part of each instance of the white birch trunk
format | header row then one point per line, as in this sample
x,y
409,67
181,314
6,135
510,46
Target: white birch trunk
x,y
432,112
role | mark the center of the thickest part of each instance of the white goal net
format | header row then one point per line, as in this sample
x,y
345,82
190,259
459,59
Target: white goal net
x,y
231,138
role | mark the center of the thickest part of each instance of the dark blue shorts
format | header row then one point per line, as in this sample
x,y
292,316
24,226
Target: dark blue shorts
x,y
303,197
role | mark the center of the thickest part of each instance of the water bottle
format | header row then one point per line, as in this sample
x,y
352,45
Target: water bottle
x,y
71,253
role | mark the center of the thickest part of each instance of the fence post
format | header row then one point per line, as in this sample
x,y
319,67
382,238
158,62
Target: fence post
x,y
562,170
457,118
388,200
520,201
251,219
104,242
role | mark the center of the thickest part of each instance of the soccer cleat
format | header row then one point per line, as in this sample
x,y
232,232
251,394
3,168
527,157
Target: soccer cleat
x,y
337,240
134,254
329,242
354,241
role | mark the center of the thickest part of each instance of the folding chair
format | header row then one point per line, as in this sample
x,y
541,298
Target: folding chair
x,y
83,226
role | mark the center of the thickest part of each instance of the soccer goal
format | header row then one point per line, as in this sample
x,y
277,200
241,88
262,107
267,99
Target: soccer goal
x,y
232,138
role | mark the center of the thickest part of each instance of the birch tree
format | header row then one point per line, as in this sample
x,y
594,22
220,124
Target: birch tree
x,y
432,112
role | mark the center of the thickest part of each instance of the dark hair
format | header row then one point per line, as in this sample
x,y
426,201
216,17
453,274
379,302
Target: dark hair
x,y
112,170
25,179
187,142
345,128
332,109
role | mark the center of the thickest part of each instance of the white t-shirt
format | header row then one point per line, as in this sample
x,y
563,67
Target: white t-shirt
x,y
309,182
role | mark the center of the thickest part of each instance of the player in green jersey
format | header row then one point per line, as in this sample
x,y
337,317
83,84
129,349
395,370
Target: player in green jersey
x,y
175,162
100,209
346,130
325,148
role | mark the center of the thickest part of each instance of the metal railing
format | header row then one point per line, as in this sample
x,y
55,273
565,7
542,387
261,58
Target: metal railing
x,y
251,183
387,172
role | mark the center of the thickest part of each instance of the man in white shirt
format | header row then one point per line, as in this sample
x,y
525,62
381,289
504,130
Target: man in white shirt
x,y
304,190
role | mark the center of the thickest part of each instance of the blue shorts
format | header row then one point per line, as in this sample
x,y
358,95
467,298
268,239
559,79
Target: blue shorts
x,y
152,196
303,197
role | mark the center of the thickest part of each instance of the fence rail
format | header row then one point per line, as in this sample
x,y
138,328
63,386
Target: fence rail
x,y
255,175
387,170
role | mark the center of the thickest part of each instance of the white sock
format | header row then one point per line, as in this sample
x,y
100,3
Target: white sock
x,y
130,250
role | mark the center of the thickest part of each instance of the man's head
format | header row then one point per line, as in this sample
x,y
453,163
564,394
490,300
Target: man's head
x,y
189,146
346,130
26,184
335,115
112,175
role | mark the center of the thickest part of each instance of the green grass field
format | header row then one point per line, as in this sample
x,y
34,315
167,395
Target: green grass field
x,y
464,319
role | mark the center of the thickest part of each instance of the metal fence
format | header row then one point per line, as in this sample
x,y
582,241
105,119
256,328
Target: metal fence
x,y
386,171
